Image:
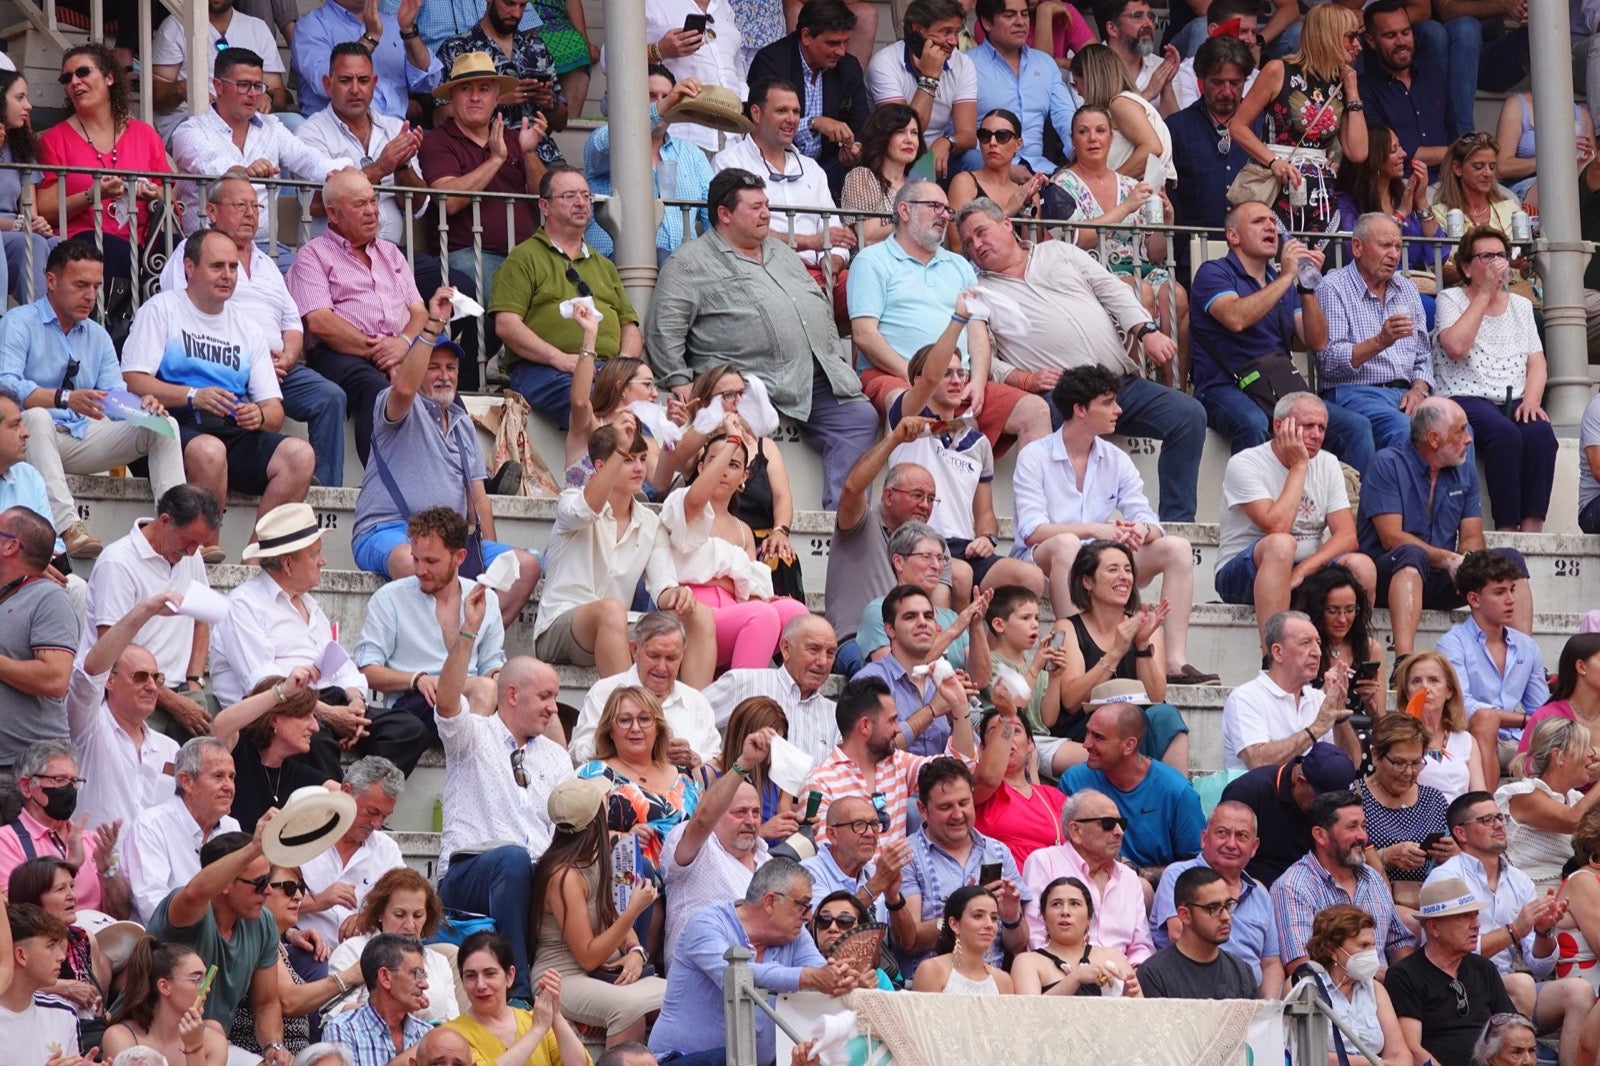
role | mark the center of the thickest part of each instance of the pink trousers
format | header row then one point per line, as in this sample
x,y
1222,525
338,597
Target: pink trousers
x,y
747,630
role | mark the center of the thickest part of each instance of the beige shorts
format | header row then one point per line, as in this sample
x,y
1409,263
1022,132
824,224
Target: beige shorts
x,y
558,644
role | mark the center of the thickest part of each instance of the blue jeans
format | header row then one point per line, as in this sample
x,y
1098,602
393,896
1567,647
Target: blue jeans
x,y
847,660
1240,419
27,286
1178,421
311,398
547,390
1589,517
842,430
465,262
1381,406
498,883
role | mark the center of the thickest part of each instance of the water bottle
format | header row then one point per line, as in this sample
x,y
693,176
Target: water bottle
x,y
1307,275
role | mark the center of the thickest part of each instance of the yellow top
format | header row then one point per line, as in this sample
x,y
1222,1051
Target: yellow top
x,y
486,1047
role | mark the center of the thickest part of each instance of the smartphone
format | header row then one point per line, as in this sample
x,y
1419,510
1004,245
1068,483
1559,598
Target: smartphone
x,y
1058,639
1430,840
205,982
1365,671
696,23
988,873
914,43
813,803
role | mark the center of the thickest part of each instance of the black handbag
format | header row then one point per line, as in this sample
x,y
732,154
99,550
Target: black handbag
x,y
1268,379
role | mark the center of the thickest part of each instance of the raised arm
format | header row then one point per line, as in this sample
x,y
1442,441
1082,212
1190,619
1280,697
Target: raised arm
x,y
407,377
858,483
716,800
453,675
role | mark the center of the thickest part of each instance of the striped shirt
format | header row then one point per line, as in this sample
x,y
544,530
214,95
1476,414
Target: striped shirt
x,y
366,1036
1354,315
895,779
1307,888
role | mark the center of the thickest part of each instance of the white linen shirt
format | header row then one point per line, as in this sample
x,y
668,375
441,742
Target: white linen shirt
x,y
482,803
1046,489
260,294
688,714
813,725
699,557
1259,711
716,62
162,852
263,635
715,876
1500,908
377,855
129,572
810,191
326,132
586,560
203,144
121,778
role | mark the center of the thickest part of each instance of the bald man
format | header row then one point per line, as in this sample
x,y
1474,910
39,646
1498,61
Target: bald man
x,y
443,1047
807,648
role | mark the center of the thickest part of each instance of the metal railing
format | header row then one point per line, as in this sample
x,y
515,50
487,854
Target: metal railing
x,y
426,225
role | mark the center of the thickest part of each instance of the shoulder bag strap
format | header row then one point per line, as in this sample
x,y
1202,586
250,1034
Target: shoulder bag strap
x,y
23,839
1322,991
387,477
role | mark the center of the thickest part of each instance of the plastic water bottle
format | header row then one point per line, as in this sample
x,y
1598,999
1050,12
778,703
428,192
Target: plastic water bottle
x,y
1307,274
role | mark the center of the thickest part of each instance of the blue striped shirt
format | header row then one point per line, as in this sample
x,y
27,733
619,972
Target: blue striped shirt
x,y
1354,315
367,1036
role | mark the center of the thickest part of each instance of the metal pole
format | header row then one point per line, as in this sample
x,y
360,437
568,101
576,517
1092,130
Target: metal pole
x,y
633,193
1563,255
738,1006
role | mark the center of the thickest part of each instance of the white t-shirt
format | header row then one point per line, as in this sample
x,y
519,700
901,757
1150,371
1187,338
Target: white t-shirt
x,y
1257,474
244,31
888,78
261,293
175,340
959,463
1588,437
35,1036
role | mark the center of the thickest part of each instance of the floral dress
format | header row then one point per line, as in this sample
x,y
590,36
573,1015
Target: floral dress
x,y
1307,112
631,805
1124,248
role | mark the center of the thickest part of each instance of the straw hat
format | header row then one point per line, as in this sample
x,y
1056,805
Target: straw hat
x,y
1447,896
716,107
286,528
309,823
473,66
1119,690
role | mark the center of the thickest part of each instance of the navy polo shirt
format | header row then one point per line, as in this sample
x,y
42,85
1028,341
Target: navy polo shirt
x,y
1416,114
1218,352
1284,832
1204,174
1397,483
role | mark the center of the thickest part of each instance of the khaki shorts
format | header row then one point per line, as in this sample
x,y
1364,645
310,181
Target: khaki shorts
x,y
557,644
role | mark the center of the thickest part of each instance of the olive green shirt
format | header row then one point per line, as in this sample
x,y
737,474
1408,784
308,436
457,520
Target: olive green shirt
x,y
533,282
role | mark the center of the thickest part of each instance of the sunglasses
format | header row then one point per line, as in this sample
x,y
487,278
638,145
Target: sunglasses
x,y
1462,1006
259,884
144,677
582,286
997,136
1107,823
842,922
289,888
517,772
80,73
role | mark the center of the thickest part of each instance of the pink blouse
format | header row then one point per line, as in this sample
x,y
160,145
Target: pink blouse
x,y
139,148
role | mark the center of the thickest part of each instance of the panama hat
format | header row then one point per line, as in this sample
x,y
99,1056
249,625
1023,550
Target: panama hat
x,y
1119,690
116,939
716,107
1447,896
286,528
473,66
309,823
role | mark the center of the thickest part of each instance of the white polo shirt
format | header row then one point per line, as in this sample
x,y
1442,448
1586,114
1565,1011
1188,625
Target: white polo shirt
x,y
128,572
121,778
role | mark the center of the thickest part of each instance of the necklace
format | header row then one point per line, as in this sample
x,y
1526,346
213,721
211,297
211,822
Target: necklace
x,y
112,164
276,786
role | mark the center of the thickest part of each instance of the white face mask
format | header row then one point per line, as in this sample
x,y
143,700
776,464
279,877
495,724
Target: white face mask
x,y
1363,965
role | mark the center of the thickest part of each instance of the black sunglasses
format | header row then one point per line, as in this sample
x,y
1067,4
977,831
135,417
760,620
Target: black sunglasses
x,y
66,76
998,136
582,286
289,888
1106,823
1461,998
517,772
844,922
260,884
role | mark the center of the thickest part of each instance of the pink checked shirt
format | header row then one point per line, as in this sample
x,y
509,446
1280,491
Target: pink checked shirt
x,y
1120,920
328,275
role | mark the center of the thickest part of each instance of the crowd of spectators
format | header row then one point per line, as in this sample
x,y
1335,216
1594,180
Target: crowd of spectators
x,y
998,786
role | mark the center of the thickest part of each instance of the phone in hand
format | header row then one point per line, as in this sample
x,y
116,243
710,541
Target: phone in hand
x,y
1365,671
988,873
696,23
1430,840
1057,639
915,43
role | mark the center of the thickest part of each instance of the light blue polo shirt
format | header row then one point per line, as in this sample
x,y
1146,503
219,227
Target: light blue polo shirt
x,y
911,301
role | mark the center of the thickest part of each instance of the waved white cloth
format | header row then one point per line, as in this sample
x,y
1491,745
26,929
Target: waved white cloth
x,y
755,408
464,306
566,307
653,417
928,1030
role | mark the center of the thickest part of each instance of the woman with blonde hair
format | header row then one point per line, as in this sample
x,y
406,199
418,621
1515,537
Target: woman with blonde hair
x,y
1344,943
649,795
778,820
1314,118
1469,182
1451,755
1137,131
1544,808
405,903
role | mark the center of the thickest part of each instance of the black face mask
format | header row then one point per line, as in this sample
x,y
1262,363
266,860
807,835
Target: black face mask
x,y
61,802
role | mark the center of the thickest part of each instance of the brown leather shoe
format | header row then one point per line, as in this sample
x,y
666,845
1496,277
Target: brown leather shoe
x,y
81,544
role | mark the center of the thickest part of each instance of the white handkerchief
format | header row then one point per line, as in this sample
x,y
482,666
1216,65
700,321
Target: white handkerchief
x,y
654,418
1013,681
464,306
1004,314
939,669
977,304
502,573
203,603
587,301
332,659
790,765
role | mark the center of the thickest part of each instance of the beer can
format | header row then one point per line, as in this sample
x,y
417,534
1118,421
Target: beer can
x,y
1455,223
1521,227
1154,213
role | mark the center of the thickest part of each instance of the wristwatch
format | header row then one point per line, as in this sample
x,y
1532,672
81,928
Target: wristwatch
x,y
1140,332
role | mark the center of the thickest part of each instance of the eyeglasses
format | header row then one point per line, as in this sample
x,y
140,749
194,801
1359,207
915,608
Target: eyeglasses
x,y
917,497
417,974
58,780
803,904
1462,1006
880,803
289,888
1222,906
932,557
1404,765
958,373
642,721
144,677
222,44
1107,824
581,285
243,206
860,828
517,772
937,206
784,175
985,136
1488,820
1341,612
247,88
258,884
80,73
1489,257
1352,37
842,922
573,197
731,396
